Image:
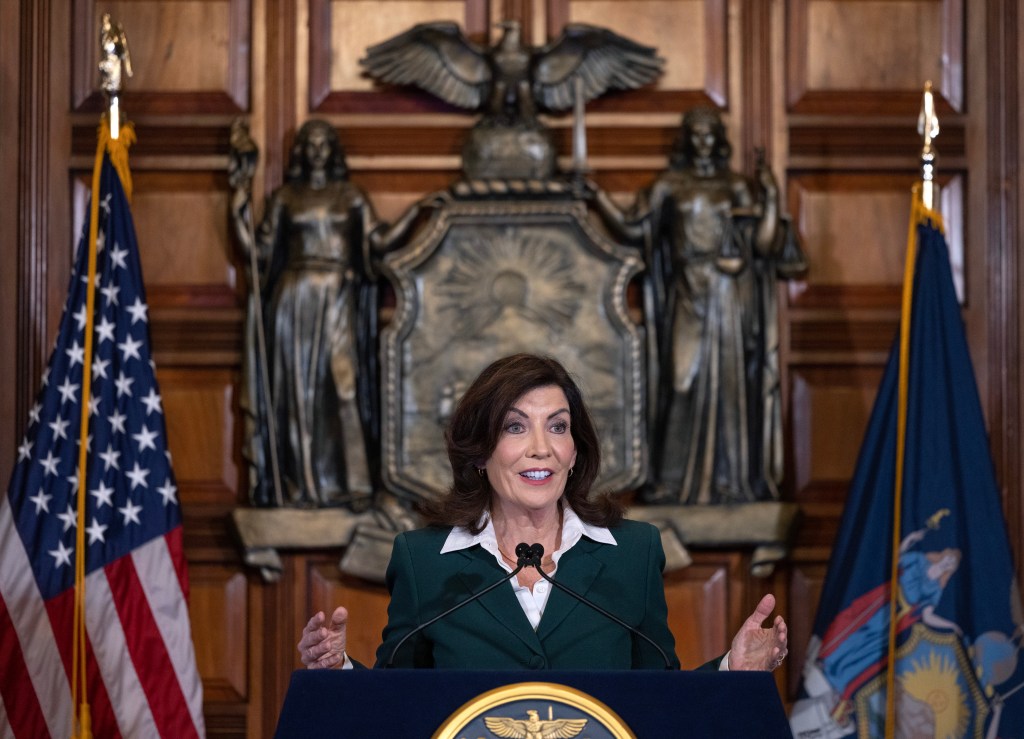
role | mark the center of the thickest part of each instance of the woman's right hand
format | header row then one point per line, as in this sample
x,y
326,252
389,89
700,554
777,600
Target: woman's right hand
x,y
323,644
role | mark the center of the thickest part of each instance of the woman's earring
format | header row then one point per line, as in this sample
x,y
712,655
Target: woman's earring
x,y
481,471
570,471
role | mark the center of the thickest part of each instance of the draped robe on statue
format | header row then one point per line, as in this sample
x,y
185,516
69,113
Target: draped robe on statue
x,y
313,242
702,453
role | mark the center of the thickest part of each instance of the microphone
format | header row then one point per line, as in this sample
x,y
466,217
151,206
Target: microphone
x,y
535,553
524,556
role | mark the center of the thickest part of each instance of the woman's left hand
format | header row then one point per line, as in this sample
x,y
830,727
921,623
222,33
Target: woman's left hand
x,y
758,648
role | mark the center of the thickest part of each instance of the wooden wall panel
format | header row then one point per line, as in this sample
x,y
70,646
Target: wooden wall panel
x,y
830,410
367,604
218,607
833,70
180,224
854,230
187,55
341,30
689,34
838,58
697,599
200,410
359,24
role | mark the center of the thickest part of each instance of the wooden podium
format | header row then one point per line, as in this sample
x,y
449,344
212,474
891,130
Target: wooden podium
x,y
417,703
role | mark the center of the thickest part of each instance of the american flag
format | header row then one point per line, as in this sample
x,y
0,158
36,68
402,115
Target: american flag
x,y
141,674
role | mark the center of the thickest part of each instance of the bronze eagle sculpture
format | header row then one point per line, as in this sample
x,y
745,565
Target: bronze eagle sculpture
x,y
508,81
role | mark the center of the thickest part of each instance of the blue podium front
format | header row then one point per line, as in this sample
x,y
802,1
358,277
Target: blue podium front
x,y
429,703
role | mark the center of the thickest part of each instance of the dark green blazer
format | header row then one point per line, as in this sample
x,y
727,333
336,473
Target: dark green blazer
x,y
494,633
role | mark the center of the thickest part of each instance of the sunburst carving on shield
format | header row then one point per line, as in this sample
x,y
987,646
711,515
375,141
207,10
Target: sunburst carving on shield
x,y
488,278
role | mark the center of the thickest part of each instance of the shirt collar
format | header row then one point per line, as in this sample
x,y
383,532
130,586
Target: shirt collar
x,y
573,528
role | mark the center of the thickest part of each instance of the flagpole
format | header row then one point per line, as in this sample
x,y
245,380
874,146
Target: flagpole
x,y
928,128
924,200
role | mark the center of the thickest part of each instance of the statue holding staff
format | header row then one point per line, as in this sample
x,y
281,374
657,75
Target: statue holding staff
x,y
310,400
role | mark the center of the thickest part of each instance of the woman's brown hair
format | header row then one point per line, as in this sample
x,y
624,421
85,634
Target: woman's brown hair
x,y
476,426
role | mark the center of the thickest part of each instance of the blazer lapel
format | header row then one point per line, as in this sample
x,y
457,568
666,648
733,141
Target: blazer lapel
x,y
577,570
501,602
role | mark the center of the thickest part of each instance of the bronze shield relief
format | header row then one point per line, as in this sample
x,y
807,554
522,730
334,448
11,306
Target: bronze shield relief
x,y
490,276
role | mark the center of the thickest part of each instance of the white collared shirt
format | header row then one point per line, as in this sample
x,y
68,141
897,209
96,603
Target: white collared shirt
x,y
532,601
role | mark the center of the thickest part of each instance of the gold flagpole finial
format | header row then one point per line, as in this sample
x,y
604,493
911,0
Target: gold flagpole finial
x,y
928,127
115,61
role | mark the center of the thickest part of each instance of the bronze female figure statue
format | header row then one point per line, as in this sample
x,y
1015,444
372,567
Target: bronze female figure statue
x,y
316,308
715,243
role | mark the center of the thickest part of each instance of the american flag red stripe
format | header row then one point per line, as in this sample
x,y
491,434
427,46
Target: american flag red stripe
x,y
26,713
147,648
31,634
141,674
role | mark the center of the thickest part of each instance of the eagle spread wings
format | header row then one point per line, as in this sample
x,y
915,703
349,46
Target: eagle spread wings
x,y
534,728
508,78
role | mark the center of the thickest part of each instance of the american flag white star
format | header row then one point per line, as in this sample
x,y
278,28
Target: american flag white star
x,y
117,255
42,501
110,458
105,330
152,402
50,463
76,354
61,555
168,492
103,495
99,368
116,421
80,317
145,438
130,348
124,384
33,413
96,530
59,426
69,517
25,450
67,391
138,311
138,476
110,293
131,513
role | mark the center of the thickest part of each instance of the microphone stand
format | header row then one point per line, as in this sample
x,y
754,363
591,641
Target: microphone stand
x,y
524,558
535,555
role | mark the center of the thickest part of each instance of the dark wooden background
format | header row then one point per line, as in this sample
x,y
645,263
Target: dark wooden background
x,y
830,88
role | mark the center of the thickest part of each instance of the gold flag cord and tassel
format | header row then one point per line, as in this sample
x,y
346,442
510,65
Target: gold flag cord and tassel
x,y
117,149
923,201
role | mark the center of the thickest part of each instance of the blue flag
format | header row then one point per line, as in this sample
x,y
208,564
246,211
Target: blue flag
x,y
139,663
958,618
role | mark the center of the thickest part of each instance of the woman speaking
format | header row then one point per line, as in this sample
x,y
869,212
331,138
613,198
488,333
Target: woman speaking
x,y
524,455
